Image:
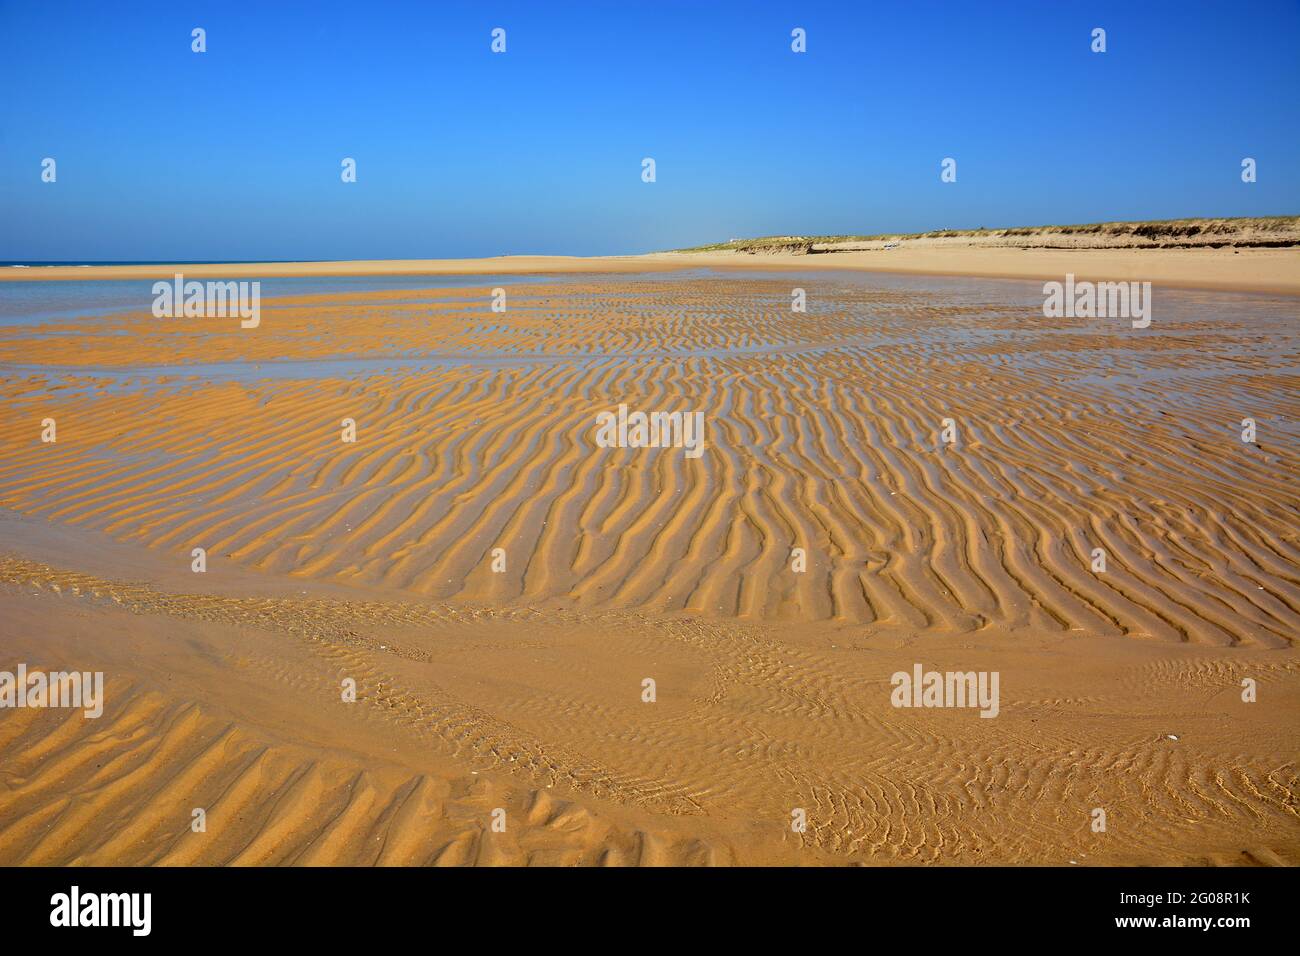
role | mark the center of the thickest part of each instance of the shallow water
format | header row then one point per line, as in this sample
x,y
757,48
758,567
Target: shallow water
x,y
24,302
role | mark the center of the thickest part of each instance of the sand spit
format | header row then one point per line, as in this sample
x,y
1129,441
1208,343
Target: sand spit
x,y
1259,255
514,680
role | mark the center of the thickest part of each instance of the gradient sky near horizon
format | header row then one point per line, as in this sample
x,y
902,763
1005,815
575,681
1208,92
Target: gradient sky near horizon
x,y
234,154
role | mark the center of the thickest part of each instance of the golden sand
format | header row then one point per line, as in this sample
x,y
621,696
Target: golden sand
x,y
522,689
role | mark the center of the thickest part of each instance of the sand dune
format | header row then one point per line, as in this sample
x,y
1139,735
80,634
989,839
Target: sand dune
x,y
519,688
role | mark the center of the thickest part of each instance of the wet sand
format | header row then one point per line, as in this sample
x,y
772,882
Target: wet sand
x,y
521,688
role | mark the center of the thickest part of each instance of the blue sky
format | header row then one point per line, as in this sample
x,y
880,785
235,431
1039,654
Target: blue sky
x,y
235,153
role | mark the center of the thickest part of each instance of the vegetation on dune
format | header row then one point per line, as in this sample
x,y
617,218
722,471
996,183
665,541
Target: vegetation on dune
x,y
1215,231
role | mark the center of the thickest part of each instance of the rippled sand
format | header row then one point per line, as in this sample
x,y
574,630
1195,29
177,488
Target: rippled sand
x,y
521,688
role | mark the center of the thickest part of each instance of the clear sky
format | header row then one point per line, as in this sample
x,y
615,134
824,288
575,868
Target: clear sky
x,y
235,153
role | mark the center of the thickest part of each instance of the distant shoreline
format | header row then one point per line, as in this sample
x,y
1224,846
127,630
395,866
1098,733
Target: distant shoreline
x,y
1244,255
1275,271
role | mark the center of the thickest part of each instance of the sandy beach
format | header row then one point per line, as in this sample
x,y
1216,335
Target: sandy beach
x,y
500,587
1274,271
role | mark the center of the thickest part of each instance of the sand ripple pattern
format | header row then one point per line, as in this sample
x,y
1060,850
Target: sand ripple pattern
x,y
753,723
823,433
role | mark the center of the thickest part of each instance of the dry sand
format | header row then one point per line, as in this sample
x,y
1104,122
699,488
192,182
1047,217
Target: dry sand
x,y
1248,270
522,690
